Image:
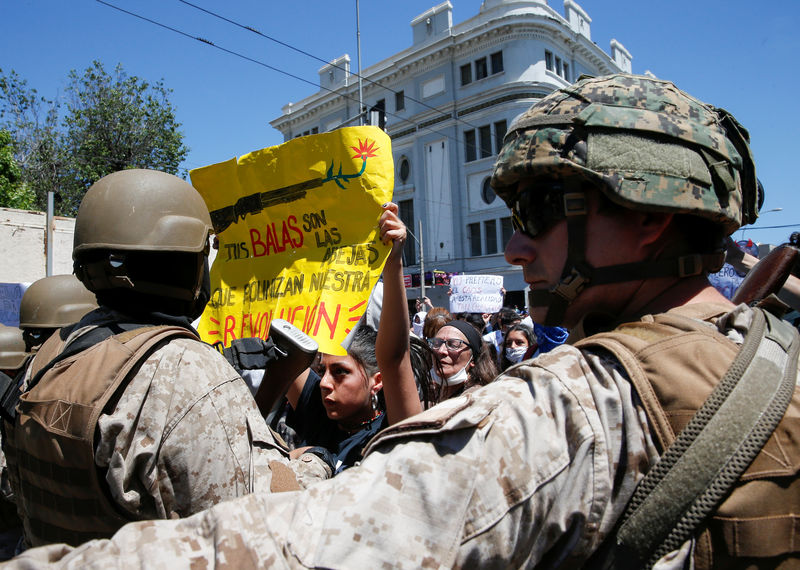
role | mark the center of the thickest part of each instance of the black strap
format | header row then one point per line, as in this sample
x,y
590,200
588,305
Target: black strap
x,y
9,391
251,353
721,440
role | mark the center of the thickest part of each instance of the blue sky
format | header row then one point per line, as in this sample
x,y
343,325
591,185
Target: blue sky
x,y
735,54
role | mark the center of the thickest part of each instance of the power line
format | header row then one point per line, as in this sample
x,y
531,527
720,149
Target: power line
x,y
312,56
268,66
750,228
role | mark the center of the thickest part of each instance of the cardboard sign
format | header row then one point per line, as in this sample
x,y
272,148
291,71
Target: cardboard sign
x,y
298,235
476,293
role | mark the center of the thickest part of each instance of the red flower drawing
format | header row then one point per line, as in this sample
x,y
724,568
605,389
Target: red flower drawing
x,y
364,149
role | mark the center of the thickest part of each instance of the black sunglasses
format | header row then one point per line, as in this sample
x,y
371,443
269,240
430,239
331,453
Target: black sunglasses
x,y
542,204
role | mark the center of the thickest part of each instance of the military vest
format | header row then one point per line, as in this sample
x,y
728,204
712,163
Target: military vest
x,y
50,447
674,362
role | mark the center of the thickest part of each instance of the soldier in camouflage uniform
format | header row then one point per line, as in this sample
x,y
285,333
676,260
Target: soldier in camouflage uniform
x,y
143,421
604,179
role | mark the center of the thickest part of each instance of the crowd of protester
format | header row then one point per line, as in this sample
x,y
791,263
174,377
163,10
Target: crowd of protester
x,y
113,409
397,363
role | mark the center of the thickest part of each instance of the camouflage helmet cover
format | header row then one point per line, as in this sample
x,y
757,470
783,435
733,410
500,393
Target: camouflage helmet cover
x,y
54,302
13,352
646,143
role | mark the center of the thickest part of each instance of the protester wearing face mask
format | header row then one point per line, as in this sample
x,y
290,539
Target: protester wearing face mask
x,y
462,359
518,342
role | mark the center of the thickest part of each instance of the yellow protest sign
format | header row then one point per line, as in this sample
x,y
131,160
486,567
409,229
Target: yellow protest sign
x,y
298,235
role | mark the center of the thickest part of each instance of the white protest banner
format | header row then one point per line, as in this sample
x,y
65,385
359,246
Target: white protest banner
x,y
476,293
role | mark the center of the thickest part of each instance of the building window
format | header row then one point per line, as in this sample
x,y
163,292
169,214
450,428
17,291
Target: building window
x,y
487,192
559,71
485,137
481,70
500,128
399,101
490,228
469,146
474,231
466,74
404,171
406,212
548,60
315,131
506,231
497,62
566,71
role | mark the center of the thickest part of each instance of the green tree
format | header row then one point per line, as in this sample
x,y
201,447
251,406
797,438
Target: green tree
x,y
32,122
111,122
114,122
14,193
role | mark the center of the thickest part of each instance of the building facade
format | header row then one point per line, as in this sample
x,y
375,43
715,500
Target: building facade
x,y
446,101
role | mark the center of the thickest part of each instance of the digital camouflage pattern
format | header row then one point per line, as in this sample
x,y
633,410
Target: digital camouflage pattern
x,y
532,469
185,434
647,144
529,469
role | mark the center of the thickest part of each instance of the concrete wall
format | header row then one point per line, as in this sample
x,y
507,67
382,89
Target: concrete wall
x,y
22,245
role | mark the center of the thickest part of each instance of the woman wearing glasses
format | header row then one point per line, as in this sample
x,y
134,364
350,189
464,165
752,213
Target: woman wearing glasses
x,y
462,360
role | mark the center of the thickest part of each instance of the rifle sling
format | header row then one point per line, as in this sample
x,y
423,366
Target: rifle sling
x,y
698,470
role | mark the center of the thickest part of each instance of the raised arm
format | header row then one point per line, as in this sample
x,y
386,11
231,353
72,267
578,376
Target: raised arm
x,y
392,345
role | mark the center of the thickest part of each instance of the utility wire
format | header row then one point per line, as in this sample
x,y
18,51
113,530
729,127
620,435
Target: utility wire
x,y
752,228
266,65
312,56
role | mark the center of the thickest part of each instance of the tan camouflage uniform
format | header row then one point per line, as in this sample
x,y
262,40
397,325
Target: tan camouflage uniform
x,y
184,435
533,469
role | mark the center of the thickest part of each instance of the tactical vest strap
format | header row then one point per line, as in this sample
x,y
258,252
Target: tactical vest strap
x,y
697,471
50,450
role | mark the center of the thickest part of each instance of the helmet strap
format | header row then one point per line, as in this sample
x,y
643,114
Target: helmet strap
x,y
578,274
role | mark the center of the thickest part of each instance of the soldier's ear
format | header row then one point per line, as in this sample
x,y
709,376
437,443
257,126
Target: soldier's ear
x,y
651,226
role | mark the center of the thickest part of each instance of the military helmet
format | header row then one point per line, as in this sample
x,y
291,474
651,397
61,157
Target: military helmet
x,y
141,210
54,302
645,143
138,229
13,352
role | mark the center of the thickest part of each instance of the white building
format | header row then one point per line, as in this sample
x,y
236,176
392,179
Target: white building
x,y
446,101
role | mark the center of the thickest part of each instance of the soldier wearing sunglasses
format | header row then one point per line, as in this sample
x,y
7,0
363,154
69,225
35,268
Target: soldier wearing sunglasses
x,y
622,189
